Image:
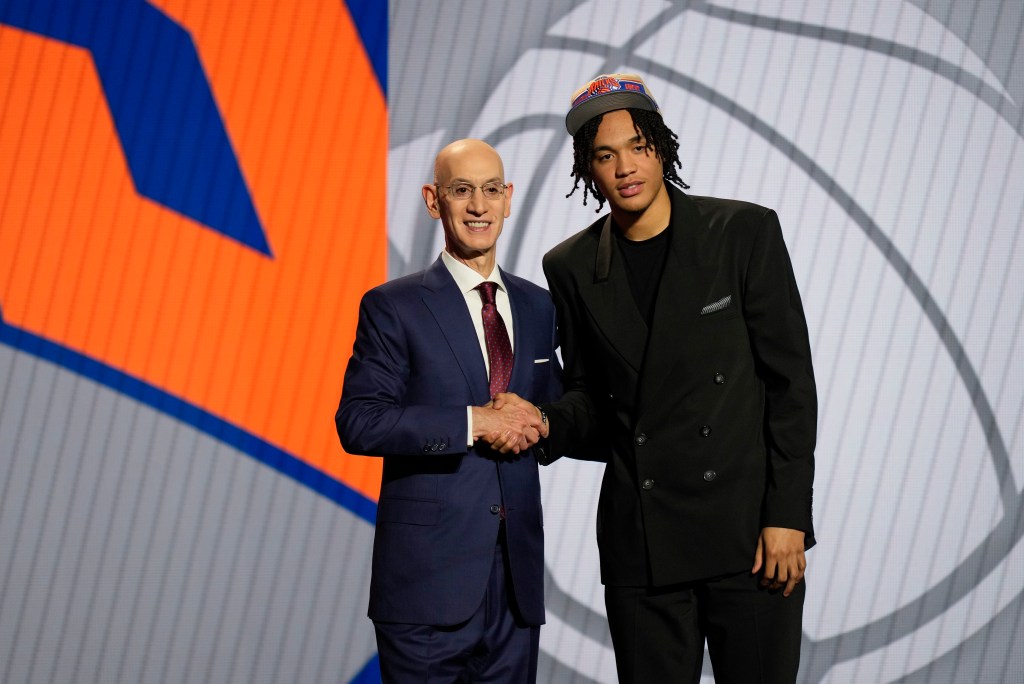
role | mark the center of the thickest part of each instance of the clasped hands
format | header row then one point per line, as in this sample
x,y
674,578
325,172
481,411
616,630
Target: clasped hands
x,y
508,423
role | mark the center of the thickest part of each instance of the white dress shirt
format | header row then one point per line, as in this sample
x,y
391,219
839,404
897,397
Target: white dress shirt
x,y
467,279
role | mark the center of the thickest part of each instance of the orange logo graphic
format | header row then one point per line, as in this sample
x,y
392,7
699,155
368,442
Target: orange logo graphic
x,y
89,263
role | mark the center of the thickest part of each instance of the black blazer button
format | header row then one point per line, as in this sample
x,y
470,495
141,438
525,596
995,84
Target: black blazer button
x,y
719,379
710,475
641,439
647,484
705,430
495,508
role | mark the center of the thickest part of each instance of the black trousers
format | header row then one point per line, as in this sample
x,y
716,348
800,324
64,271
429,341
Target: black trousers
x,y
753,634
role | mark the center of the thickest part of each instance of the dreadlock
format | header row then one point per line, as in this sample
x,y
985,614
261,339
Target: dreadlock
x,y
650,126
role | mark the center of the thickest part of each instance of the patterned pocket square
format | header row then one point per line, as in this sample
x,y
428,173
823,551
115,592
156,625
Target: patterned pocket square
x,y
715,307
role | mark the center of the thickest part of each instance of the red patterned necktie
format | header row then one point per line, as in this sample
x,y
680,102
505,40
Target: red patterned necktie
x,y
499,349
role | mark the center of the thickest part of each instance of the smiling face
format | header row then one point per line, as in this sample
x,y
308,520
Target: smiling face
x,y
471,226
630,176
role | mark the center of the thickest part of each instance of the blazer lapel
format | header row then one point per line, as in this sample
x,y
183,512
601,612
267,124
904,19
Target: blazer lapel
x,y
684,285
448,306
521,363
611,303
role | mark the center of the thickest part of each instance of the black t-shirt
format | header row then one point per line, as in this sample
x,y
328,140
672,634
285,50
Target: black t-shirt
x,y
644,261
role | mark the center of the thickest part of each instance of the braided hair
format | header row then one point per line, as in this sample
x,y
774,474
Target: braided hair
x,y
648,124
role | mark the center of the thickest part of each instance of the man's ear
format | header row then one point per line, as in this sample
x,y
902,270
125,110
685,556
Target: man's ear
x,y
508,199
432,200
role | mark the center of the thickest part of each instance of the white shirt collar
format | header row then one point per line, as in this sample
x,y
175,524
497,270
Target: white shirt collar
x,y
465,277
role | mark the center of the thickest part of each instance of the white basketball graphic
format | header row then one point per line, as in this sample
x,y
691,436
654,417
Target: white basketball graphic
x,y
895,159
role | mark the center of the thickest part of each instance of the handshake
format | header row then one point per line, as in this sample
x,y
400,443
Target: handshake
x,y
509,423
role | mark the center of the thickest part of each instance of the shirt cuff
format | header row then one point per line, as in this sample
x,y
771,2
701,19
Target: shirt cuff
x,y
469,427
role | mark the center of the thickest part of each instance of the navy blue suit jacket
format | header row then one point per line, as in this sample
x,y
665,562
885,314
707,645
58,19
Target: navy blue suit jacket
x,y
416,365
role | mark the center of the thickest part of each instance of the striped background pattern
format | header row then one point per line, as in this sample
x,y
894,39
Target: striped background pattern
x,y
195,193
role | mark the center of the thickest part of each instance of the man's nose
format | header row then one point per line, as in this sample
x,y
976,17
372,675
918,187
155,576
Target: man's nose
x,y
477,203
624,165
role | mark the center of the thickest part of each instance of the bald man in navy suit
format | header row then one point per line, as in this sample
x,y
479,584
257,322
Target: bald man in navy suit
x,y
457,592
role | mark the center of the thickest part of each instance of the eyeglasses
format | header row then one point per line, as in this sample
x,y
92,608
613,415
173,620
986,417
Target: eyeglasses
x,y
461,192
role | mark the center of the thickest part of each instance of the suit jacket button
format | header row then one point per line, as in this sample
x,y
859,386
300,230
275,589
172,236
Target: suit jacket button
x,y
710,475
426,448
719,379
495,508
705,430
648,484
641,439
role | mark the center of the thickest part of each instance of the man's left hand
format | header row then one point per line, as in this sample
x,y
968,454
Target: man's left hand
x,y
780,552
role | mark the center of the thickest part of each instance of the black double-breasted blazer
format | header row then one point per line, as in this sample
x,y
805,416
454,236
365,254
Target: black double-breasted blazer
x,y
707,420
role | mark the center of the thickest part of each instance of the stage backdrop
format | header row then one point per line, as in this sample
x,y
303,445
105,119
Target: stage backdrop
x,y
195,193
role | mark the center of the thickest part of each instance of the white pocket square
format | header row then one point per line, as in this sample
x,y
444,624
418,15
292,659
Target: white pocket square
x,y
715,307
541,360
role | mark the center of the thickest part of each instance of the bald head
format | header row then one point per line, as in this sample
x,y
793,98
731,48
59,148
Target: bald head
x,y
472,220
462,152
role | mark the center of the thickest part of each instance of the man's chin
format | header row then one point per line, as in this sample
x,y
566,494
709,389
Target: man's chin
x,y
632,206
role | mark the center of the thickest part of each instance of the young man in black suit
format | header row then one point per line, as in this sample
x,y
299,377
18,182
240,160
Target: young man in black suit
x,y
688,370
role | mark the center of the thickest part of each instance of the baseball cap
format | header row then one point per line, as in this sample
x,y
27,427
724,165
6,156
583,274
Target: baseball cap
x,y
606,93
